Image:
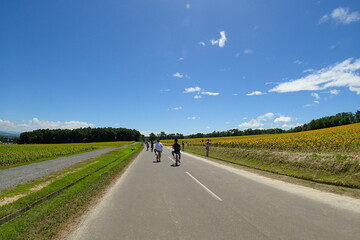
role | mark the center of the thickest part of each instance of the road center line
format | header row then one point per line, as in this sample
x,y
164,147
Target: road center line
x,y
202,185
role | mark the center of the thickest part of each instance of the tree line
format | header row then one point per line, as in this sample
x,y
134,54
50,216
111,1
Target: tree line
x,y
325,122
80,135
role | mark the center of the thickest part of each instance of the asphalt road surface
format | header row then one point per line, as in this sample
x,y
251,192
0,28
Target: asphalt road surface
x,y
205,200
11,177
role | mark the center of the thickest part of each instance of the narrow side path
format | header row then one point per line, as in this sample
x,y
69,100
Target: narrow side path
x,y
12,177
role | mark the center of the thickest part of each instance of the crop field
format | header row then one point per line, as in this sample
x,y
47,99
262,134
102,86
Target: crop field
x,y
19,154
342,139
330,155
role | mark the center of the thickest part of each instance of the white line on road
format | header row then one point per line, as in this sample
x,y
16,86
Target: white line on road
x,y
171,159
208,190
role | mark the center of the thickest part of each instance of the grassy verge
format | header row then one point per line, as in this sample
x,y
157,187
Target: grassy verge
x,y
18,155
45,220
336,169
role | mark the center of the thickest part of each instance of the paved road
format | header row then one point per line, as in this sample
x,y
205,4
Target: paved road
x,y
204,200
11,177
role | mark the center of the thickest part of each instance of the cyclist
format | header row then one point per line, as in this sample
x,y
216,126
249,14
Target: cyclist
x,y
158,150
176,151
152,145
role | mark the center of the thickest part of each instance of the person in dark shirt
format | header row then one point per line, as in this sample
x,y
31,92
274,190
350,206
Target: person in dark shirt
x,y
176,152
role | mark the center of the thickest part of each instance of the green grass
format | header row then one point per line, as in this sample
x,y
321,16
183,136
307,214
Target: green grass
x,y
18,155
341,170
46,220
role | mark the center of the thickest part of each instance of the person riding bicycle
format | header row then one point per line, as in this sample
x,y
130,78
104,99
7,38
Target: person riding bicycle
x,y
176,152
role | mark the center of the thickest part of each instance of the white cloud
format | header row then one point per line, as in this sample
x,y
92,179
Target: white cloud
x,y
299,62
282,119
248,51
181,59
317,102
202,43
287,126
251,124
178,75
175,109
341,16
221,41
36,123
188,5
193,118
192,89
334,92
308,70
199,91
210,93
255,93
355,89
315,95
342,74
258,122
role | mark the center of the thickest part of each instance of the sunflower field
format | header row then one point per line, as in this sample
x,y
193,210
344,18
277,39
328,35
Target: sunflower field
x,y
336,139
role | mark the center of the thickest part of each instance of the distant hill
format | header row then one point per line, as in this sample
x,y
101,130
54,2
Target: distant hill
x,y
9,134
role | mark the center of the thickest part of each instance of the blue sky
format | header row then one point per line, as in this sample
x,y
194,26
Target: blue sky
x,y
182,66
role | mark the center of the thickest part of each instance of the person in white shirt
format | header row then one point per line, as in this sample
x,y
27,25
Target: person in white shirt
x,y
158,150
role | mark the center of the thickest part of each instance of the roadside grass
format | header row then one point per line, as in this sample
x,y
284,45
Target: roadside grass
x,y
18,155
336,169
46,220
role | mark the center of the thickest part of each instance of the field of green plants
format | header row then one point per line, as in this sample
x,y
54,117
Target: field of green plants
x,y
15,154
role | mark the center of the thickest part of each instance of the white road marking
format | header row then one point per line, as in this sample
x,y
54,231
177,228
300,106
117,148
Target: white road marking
x,y
171,159
202,185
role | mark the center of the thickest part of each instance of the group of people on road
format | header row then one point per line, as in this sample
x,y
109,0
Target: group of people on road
x,y
159,148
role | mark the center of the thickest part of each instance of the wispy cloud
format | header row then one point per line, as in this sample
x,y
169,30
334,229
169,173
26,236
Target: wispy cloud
x,y
221,41
165,90
315,95
344,74
266,119
202,43
199,92
308,70
255,93
334,92
175,109
257,122
210,93
35,123
248,51
193,118
298,62
192,89
180,75
341,15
